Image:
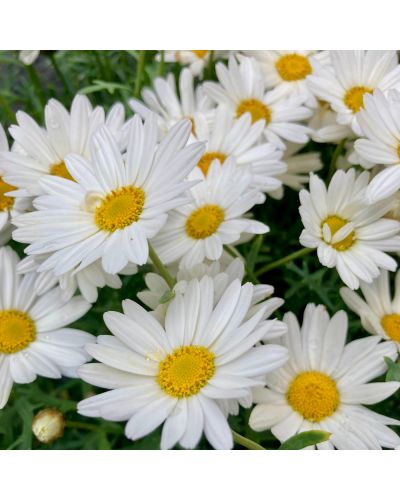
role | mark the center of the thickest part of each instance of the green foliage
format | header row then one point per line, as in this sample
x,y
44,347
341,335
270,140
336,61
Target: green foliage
x,y
304,439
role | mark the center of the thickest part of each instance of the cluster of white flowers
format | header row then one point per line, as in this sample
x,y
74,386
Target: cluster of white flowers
x,y
95,195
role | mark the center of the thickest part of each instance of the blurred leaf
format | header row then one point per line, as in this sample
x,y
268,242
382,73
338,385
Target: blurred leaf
x,y
393,373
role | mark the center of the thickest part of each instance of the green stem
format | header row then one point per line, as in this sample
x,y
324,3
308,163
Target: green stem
x,y
161,67
246,442
234,253
159,266
338,151
210,66
284,260
4,105
36,84
140,73
60,75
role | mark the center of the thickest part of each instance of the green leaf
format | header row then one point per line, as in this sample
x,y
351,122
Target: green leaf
x,y
304,439
393,373
99,85
167,296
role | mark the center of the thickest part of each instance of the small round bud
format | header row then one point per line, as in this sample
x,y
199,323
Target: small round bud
x,y
48,425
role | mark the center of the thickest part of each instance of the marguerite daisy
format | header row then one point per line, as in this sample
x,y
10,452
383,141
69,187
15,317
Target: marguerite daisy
x,y
33,337
199,229
171,107
116,203
195,59
325,127
242,88
380,124
9,207
355,73
44,150
348,233
177,374
28,57
325,384
240,138
379,314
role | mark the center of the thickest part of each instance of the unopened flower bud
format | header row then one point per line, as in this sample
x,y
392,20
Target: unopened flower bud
x,y
48,425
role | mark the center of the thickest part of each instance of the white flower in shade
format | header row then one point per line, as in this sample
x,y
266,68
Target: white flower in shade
x,y
87,280
239,138
215,216
28,57
325,127
34,339
116,204
171,107
325,385
197,60
379,314
42,151
158,287
9,207
299,166
242,88
379,122
348,233
288,70
355,73
177,374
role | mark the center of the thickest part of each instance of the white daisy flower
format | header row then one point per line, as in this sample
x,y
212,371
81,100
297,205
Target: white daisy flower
x,y
242,88
171,107
86,280
9,207
28,57
325,384
379,314
33,337
215,216
325,127
177,374
380,124
158,287
355,73
288,70
196,60
298,169
116,204
44,150
239,138
348,233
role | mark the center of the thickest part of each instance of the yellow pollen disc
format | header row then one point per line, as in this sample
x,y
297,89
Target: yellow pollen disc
x,y
335,223
391,325
201,54
60,170
207,158
6,203
257,109
354,97
120,208
293,67
185,371
204,221
17,331
314,395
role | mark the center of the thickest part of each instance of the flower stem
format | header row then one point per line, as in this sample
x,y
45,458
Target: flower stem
x,y
60,74
210,66
159,266
246,442
140,73
161,67
234,253
284,260
338,151
36,84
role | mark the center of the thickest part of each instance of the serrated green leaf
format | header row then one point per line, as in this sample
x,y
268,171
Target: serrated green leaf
x,y
304,439
393,373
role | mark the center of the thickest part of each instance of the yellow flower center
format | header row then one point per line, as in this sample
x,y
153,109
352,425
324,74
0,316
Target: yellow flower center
x,y
354,97
60,170
314,395
257,109
207,158
6,203
185,371
204,221
293,67
201,54
17,331
391,325
335,223
120,208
